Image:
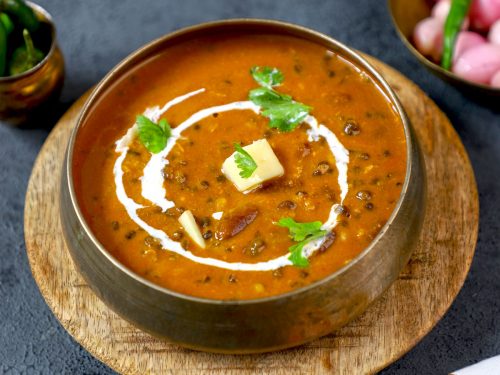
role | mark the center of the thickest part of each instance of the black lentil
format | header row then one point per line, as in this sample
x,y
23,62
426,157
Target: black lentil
x,y
181,178
221,178
342,210
133,153
278,273
322,168
351,127
115,225
205,280
130,234
205,221
232,279
256,246
150,241
288,205
364,195
177,235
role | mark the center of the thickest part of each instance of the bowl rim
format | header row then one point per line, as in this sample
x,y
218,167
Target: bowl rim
x,y
432,65
299,32
46,18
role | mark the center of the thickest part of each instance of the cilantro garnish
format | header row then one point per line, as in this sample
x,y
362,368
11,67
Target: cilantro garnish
x,y
153,136
303,233
283,112
266,76
244,161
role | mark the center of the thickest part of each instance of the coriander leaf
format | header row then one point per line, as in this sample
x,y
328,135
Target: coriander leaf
x,y
283,113
296,257
153,136
299,231
244,161
266,76
286,116
266,98
164,125
303,233
296,251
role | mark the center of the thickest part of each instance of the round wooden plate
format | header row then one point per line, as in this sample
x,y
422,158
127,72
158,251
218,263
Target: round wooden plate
x,y
387,330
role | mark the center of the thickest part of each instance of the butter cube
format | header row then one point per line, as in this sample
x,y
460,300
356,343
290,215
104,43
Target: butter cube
x,y
189,224
268,167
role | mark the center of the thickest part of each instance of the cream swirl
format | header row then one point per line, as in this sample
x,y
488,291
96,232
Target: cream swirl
x,y
152,181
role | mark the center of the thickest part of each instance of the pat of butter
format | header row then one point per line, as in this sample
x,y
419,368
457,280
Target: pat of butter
x,y
268,167
189,223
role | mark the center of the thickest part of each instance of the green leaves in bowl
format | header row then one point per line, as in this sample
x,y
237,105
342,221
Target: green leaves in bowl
x,y
283,112
153,136
302,233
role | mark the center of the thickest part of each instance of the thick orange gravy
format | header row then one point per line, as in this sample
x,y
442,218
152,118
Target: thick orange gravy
x,y
343,98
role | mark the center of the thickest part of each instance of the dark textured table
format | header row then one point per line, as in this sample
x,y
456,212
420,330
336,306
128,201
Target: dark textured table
x,y
95,35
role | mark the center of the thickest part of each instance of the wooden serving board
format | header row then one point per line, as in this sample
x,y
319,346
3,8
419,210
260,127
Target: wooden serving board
x,y
388,329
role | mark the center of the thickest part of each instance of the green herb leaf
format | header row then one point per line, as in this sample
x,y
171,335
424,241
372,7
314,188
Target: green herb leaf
x,y
266,76
286,116
283,112
163,124
296,251
296,257
299,231
244,161
153,136
265,97
303,233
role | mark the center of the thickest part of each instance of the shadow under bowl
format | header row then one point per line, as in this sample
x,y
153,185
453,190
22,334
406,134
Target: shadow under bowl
x,y
258,325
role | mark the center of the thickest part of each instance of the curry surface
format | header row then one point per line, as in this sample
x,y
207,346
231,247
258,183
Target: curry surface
x,y
340,95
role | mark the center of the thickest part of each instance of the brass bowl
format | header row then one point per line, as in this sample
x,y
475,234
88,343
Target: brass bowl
x,y
26,95
405,16
257,325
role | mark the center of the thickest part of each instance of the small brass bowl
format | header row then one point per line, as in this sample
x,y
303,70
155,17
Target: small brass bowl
x,y
258,325
405,16
24,96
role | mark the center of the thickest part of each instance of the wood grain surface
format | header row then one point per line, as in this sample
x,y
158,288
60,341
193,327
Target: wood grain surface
x,y
388,329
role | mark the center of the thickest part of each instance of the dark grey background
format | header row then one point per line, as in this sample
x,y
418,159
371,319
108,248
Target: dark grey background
x,y
97,34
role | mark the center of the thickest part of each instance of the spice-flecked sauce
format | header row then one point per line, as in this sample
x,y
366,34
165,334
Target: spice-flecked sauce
x,y
343,98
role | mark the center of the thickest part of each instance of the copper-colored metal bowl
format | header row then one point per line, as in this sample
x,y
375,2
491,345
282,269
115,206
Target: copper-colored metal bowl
x,y
256,325
405,16
24,96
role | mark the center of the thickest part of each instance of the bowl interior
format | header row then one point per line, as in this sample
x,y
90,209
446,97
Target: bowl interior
x,y
157,46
